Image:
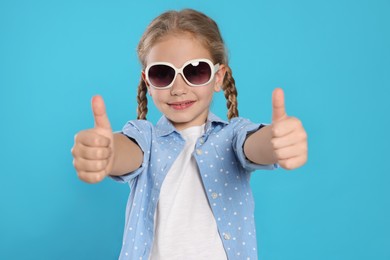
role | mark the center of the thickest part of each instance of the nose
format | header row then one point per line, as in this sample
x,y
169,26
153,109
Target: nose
x,y
179,86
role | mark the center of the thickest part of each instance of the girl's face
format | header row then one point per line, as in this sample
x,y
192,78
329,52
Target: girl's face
x,y
183,105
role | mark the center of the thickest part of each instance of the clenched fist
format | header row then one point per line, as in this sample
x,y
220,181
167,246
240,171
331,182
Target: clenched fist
x,y
93,150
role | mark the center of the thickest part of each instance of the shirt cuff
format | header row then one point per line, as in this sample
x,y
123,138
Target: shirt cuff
x,y
247,164
134,132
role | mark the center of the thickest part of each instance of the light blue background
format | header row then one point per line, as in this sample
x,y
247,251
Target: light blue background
x,y
331,57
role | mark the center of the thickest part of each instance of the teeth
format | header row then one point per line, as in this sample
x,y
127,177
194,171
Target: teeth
x,y
182,104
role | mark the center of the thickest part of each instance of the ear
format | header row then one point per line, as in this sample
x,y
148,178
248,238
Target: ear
x,y
144,78
219,76
146,82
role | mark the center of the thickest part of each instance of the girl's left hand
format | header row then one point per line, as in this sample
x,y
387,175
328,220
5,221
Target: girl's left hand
x,y
289,138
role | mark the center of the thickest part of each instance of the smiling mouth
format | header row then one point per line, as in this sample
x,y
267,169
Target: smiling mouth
x,y
181,105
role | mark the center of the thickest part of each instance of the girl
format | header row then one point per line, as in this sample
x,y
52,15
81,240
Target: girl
x,y
189,174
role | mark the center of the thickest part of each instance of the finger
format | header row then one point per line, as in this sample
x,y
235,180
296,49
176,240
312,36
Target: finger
x,y
289,139
99,113
286,126
92,139
91,177
278,108
82,164
293,163
92,153
290,151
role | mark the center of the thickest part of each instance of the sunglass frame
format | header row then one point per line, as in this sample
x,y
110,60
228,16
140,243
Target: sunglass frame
x,y
213,67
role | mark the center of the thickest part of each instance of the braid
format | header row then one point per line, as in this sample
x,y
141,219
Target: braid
x,y
142,100
230,91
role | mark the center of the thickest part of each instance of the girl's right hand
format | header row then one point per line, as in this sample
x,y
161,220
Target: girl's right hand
x,y
93,149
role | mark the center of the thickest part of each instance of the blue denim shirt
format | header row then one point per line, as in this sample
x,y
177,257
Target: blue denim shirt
x,y
223,168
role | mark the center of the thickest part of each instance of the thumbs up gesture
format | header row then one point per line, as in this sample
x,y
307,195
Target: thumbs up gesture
x,y
289,138
93,148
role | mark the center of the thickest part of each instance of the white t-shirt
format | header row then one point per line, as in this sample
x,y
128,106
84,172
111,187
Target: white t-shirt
x,y
185,227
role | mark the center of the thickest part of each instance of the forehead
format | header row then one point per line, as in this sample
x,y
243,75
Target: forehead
x,y
177,49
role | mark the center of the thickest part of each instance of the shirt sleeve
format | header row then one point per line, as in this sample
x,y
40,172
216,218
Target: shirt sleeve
x,y
140,131
242,129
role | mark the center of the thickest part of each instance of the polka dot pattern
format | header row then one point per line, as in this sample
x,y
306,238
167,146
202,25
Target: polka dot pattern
x,y
225,174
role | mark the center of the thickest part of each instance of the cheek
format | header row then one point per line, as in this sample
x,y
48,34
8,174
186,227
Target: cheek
x,y
207,94
158,96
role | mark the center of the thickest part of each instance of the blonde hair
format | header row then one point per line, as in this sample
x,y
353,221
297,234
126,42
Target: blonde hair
x,y
203,28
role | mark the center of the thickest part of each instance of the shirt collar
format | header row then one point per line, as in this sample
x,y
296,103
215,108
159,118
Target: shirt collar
x,y
165,127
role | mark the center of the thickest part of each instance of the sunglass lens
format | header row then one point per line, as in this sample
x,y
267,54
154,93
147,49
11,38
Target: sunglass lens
x,y
197,73
161,75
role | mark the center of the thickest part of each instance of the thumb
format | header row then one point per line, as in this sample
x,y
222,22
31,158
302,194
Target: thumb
x,y
99,113
278,108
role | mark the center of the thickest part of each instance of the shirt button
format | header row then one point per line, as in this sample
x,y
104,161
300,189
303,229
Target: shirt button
x,y
226,236
198,151
201,140
214,195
